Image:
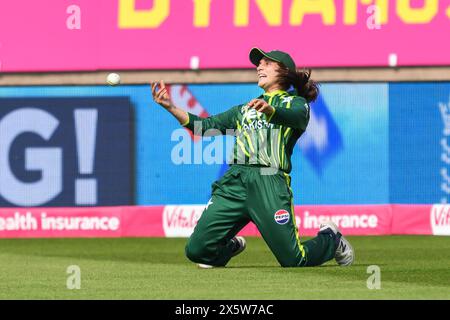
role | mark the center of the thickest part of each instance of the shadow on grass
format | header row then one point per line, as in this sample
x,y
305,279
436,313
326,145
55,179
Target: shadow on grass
x,y
309,267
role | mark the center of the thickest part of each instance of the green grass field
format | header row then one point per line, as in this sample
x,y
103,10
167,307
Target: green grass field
x,y
412,267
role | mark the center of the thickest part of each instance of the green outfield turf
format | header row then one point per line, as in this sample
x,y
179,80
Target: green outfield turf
x,y
412,267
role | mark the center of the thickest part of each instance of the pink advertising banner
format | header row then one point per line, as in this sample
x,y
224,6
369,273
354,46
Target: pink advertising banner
x,y
64,35
180,220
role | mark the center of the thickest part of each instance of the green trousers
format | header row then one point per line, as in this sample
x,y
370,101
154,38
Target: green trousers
x,y
262,196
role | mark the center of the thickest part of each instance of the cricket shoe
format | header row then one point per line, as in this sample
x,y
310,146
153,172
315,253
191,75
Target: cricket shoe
x,y
345,255
239,246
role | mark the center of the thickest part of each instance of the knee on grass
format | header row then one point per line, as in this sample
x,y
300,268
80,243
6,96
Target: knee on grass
x,y
289,264
195,253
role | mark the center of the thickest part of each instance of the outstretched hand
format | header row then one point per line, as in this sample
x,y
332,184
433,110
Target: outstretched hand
x,y
161,96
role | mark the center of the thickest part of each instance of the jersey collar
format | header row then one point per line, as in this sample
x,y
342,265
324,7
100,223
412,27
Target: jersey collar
x,y
274,93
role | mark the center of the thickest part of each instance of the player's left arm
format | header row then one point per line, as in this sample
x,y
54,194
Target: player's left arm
x,y
296,116
220,122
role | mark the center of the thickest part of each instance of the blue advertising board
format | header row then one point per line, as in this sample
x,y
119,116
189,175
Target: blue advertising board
x,y
352,134
368,143
419,127
67,151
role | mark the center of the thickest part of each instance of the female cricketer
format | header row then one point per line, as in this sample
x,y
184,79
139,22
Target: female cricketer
x,y
257,187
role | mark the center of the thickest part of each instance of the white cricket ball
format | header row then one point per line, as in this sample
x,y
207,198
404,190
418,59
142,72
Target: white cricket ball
x,y
113,79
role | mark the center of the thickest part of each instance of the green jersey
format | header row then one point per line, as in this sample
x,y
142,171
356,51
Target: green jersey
x,y
260,140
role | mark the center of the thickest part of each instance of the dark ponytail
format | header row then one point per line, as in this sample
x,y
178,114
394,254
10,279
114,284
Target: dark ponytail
x,y
301,81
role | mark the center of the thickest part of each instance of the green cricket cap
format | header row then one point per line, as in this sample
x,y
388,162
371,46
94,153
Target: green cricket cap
x,y
257,54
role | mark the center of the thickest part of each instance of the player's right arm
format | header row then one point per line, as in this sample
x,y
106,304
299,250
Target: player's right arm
x,y
220,122
161,97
